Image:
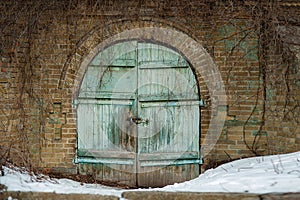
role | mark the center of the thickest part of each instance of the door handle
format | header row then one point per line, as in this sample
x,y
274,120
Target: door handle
x,y
138,120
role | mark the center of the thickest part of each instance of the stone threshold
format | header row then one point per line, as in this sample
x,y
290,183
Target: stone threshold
x,y
150,195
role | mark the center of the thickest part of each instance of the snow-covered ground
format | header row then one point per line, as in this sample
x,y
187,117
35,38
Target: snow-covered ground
x,y
278,173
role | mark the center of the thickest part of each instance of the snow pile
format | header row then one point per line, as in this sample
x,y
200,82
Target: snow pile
x,y
279,173
20,180
267,174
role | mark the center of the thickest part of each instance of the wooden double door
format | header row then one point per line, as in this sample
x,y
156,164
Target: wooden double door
x,y
138,115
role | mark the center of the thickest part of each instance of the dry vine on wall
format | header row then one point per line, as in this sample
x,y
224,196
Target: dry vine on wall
x,y
267,23
24,77
24,103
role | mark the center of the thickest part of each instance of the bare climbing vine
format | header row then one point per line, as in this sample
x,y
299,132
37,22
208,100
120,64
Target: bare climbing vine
x,y
277,61
26,104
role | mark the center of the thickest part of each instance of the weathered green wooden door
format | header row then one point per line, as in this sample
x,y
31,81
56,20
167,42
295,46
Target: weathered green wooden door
x,y
138,116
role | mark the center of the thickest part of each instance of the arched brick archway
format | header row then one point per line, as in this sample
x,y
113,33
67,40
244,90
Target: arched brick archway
x,y
209,80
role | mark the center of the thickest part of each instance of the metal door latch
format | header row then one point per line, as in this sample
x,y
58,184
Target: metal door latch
x,y
138,120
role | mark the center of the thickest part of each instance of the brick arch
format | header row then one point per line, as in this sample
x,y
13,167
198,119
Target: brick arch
x,y
98,34
101,37
206,72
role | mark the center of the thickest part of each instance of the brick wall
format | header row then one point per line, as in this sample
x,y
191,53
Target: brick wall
x,y
45,47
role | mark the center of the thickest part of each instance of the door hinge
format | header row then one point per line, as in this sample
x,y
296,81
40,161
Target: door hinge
x,y
202,103
75,103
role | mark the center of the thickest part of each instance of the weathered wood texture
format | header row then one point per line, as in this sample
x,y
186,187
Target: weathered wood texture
x,y
138,116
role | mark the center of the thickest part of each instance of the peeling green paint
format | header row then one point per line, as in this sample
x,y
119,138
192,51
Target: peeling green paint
x,y
259,133
269,94
54,121
235,38
241,123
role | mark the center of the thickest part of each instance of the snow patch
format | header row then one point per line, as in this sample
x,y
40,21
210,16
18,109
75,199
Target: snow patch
x,y
265,174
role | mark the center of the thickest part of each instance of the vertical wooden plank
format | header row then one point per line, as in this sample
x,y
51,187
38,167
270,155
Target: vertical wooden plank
x,y
176,125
